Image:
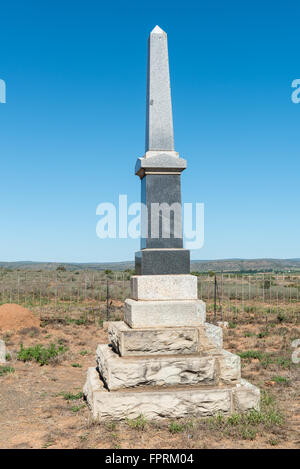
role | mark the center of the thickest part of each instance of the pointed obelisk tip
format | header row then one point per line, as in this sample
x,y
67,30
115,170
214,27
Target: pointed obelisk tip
x,y
157,30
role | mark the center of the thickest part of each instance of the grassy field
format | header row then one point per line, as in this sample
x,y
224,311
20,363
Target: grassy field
x,y
41,384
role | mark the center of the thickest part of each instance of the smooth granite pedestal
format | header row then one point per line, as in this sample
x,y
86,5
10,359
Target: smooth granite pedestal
x,y
162,261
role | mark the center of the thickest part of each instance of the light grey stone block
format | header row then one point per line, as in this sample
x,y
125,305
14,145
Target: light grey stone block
x,y
139,314
155,341
2,352
214,334
246,396
164,287
160,163
159,120
125,372
229,367
161,154
154,404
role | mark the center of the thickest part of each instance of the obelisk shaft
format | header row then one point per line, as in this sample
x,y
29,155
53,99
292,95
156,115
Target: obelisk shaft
x,y
159,121
161,250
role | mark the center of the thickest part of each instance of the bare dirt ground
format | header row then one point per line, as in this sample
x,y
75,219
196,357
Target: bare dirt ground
x,y
41,406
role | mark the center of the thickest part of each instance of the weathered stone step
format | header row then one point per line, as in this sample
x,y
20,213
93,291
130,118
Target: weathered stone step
x,y
167,403
124,372
162,340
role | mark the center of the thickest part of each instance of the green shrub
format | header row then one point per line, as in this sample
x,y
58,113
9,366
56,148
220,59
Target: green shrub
x,y
283,362
39,353
79,322
110,426
251,354
77,408
248,424
248,433
263,334
281,317
6,369
138,423
266,359
176,427
280,380
68,396
267,399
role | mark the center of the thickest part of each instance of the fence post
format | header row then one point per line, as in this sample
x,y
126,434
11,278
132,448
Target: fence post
x,y
107,300
215,300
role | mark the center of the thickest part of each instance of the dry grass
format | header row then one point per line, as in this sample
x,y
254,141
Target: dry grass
x,y
42,406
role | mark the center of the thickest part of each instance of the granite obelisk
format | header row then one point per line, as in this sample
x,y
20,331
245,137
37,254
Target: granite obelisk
x,y
159,119
159,169
164,360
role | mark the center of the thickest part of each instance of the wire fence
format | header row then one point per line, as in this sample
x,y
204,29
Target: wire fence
x,y
250,293
31,288
66,291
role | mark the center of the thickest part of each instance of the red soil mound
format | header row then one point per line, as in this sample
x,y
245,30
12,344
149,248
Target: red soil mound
x,y
14,317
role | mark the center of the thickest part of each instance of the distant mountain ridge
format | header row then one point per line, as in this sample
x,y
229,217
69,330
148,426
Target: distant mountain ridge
x,y
218,265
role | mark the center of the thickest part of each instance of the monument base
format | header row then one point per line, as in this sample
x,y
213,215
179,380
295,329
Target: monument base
x,y
164,360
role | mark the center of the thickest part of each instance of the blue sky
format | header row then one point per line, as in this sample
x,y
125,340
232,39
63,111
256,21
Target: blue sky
x,y
74,120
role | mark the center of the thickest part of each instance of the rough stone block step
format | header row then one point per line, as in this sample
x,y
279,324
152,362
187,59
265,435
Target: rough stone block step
x,y
124,372
127,341
167,403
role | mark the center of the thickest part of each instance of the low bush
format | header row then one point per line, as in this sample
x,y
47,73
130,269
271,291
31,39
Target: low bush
x,y
40,354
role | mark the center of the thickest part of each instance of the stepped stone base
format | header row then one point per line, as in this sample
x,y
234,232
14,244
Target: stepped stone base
x,y
168,402
164,360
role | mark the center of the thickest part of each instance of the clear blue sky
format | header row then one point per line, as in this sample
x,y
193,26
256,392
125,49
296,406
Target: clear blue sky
x,y
73,124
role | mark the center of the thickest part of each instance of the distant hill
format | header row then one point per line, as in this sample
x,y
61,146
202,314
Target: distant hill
x,y
246,265
221,265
